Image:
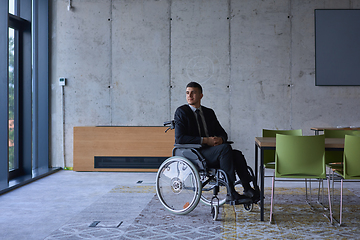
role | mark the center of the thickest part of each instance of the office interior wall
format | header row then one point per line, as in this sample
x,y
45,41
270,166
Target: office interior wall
x,y
127,63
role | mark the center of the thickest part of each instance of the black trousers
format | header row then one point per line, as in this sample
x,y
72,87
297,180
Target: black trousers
x,y
228,160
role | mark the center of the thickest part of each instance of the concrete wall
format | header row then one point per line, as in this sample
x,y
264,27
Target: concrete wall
x,y
127,63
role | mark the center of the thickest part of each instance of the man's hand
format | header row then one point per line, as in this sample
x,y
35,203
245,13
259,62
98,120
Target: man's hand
x,y
212,141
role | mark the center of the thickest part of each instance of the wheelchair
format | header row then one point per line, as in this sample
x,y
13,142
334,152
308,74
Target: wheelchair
x,y
184,179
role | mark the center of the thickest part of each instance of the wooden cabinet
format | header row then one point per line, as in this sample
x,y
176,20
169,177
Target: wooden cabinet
x,y
120,143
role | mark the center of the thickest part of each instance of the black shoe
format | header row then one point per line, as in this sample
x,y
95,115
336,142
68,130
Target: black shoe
x,y
237,198
253,194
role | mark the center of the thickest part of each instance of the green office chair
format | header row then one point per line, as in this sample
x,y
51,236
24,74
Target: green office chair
x,y
299,157
336,156
269,155
351,164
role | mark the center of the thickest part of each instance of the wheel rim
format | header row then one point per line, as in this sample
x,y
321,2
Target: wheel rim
x,y
178,185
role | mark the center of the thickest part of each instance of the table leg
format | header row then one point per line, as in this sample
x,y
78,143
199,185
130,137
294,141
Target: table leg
x,y
262,193
256,166
261,178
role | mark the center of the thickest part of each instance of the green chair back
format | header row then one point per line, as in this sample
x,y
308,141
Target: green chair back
x,y
338,133
300,156
356,133
269,155
351,157
336,156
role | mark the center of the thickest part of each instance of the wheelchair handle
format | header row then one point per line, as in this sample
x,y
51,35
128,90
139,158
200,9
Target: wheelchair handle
x,y
171,123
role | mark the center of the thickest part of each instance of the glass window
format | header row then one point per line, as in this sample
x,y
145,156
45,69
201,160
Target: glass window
x,y
13,67
24,130
12,7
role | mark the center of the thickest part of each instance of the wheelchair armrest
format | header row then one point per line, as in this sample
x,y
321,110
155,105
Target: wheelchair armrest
x,y
187,145
194,145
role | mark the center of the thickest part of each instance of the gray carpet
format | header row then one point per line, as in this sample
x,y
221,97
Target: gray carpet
x,y
293,219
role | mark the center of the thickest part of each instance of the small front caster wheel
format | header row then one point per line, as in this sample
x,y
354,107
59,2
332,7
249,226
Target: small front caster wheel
x,y
248,206
215,212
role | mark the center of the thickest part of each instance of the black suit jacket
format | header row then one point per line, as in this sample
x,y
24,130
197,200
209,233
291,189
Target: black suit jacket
x,y
186,128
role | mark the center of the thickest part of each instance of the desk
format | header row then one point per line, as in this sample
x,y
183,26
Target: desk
x,y
264,143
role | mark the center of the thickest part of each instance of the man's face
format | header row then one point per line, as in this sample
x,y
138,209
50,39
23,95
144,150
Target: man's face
x,y
193,96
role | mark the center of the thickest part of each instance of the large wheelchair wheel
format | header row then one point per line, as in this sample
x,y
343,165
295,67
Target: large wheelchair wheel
x,y
209,189
178,185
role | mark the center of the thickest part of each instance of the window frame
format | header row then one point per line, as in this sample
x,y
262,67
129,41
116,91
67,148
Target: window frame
x,y
32,21
22,56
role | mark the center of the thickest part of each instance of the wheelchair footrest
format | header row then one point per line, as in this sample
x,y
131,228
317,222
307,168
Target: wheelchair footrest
x,y
240,201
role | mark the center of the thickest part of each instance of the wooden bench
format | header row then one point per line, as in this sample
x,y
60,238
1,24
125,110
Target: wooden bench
x,y
121,148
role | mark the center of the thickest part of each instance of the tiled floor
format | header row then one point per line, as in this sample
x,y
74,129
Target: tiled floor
x,y
113,205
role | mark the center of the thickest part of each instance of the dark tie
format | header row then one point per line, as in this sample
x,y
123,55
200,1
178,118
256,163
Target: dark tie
x,y
201,125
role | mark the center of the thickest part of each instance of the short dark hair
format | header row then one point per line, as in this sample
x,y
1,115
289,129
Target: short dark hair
x,y
194,85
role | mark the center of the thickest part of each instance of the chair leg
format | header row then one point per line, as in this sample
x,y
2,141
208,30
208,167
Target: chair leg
x,y
330,209
341,200
322,191
333,183
306,195
307,199
310,189
272,198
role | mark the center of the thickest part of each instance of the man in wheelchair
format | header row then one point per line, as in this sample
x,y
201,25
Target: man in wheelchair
x,y
196,124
